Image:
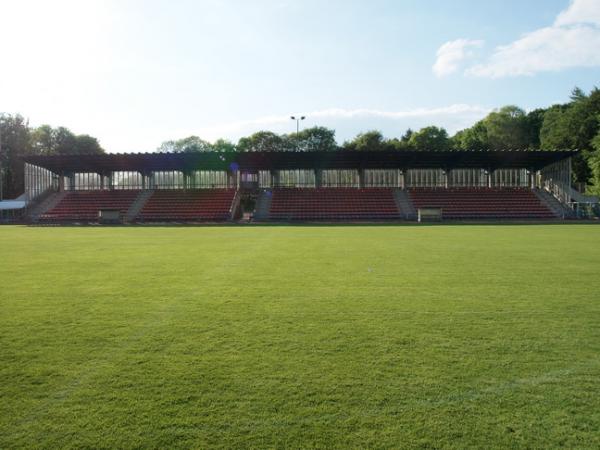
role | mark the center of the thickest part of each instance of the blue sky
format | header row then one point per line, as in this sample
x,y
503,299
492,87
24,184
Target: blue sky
x,y
135,73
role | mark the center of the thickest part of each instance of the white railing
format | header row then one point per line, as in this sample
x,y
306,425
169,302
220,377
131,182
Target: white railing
x,y
237,198
582,205
566,194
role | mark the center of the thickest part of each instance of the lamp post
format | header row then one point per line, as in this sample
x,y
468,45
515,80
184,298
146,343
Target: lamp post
x,y
1,168
298,119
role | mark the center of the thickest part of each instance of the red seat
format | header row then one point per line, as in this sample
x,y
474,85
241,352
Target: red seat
x,y
333,204
182,206
83,206
482,203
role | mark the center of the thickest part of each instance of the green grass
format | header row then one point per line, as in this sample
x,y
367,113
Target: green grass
x,y
348,337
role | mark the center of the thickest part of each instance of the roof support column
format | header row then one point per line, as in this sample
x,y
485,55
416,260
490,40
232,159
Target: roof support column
x,y
186,180
111,180
103,177
233,179
145,179
318,178
275,178
532,178
446,175
61,182
361,178
71,180
489,174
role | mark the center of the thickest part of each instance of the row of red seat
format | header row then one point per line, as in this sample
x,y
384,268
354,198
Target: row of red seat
x,y
333,204
304,204
84,205
479,203
163,205
197,205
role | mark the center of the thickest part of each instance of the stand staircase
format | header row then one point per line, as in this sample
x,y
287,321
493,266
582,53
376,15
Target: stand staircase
x,y
559,209
263,206
45,205
137,205
406,207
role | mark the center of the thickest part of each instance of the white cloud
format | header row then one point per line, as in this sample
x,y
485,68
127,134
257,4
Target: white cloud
x,y
417,112
546,49
451,54
452,117
572,41
138,137
580,11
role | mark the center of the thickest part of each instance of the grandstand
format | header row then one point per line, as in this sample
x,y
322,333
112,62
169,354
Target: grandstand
x,y
302,186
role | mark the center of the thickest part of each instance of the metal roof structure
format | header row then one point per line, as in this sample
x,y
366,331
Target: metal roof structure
x,y
342,159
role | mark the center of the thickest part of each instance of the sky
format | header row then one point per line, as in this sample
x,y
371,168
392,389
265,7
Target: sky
x,y
135,73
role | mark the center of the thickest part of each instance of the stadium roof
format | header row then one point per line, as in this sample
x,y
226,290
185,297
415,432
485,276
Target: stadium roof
x,y
252,161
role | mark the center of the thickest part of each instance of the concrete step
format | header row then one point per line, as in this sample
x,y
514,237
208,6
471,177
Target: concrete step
x,y
405,205
263,205
137,205
559,209
45,205
234,211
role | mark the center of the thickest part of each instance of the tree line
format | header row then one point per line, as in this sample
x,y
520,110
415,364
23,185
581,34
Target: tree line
x,y
572,125
18,140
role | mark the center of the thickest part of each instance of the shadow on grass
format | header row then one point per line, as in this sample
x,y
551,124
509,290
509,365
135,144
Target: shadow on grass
x,y
321,224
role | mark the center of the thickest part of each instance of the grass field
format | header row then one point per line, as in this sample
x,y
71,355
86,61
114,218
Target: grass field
x,y
358,336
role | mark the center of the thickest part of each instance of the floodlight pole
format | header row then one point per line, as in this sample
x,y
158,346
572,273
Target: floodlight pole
x,y
1,168
298,119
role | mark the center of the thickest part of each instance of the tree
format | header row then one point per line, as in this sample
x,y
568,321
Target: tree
x,y
533,125
88,145
401,144
398,144
474,138
506,128
577,94
15,135
42,140
554,133
574,126
19,140
594,164
430,138
315,139
368,141
264,141
407,135
189,144
46,140
223,146
64,141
